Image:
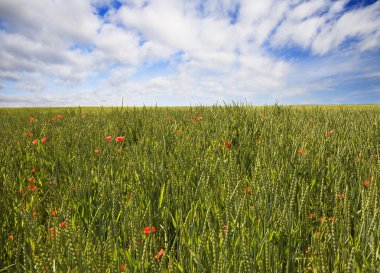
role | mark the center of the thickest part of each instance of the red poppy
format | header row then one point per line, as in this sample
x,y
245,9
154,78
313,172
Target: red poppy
x,y
63,224
247,190
317,234
11,238
366,183
108,138
227,144
120,139
149,229
197,113
21,191
59,116
35,141
340,196
34,213
122,267
44,140
299,152
30,134
200,118
159,254
33,170
52,119
330,132
51,230
32,188
310,216
53,212
331,219
96,151
31,179
193,120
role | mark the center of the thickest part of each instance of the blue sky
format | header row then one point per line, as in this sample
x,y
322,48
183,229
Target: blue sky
x,y
178,52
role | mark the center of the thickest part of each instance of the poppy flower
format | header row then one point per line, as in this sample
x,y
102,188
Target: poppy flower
x,y
33,170
120,139
32,188
34,213
52,119
30,134
53,212
227,144
63,224
59,116
193,120
340,196
149,229
122,267
366,183
317,234
331,219
20,191
197,113
299,152
96,151
200,118
159,254
51,230
31,179
35,141
44,140
108,138
11,238
247,190
330,132
310,216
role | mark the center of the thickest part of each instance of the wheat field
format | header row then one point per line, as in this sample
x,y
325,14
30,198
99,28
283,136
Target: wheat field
x,y
193,189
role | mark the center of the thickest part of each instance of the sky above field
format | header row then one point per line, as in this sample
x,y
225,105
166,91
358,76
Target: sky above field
x,y
173,52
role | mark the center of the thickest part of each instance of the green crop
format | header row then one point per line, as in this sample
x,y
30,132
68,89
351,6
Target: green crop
x,y
204,189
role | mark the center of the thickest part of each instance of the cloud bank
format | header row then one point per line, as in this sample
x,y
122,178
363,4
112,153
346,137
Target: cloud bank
x,y
171,52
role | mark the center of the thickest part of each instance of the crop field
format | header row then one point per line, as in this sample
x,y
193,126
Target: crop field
x,y
195,189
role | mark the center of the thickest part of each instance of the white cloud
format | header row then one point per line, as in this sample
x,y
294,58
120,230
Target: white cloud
x,y
361,24
66,43
307,9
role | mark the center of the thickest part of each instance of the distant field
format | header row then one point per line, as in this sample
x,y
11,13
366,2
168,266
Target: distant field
x,y
190,189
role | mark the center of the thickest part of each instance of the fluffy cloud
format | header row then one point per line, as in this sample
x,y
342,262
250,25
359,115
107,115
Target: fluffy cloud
x,y
180,52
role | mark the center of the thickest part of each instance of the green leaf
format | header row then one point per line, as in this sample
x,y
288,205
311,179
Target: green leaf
x,y
161,195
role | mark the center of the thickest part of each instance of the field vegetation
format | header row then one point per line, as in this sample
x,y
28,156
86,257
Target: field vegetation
x,y
194,189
